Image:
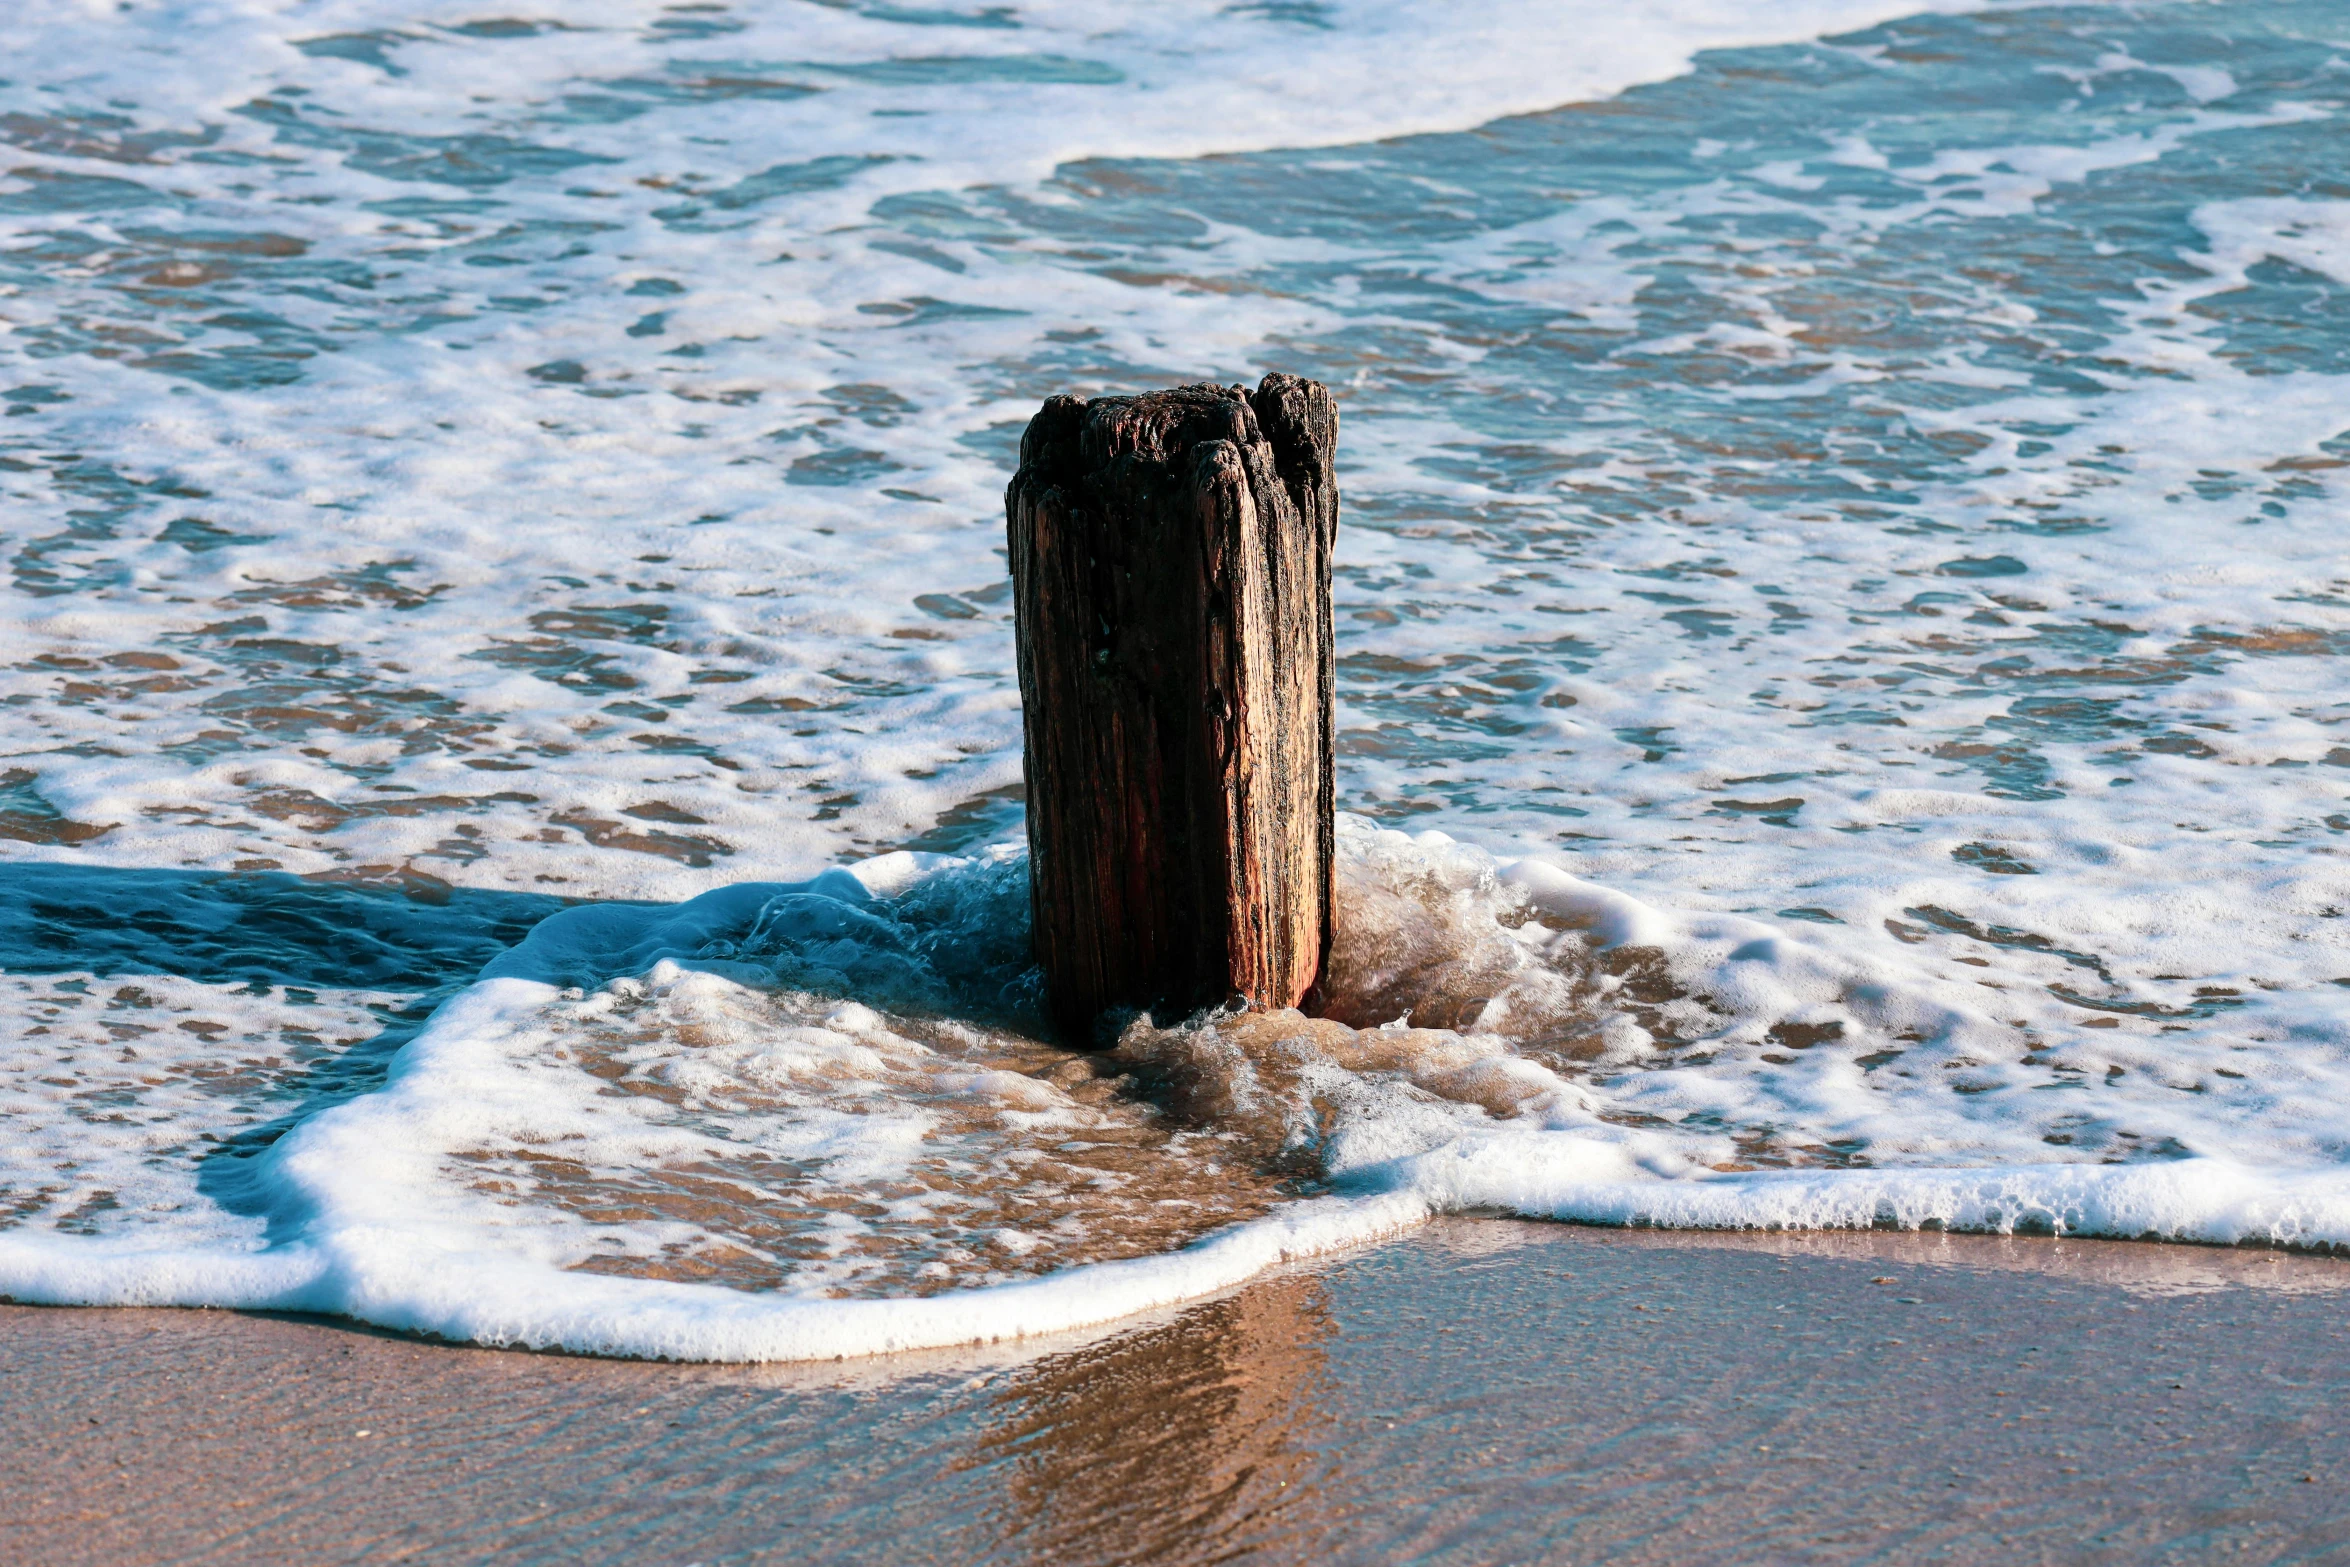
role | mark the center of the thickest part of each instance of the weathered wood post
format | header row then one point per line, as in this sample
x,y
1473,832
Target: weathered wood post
x,y
1170,562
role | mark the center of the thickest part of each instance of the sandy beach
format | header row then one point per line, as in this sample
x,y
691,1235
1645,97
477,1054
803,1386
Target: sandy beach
x,y
1482,1391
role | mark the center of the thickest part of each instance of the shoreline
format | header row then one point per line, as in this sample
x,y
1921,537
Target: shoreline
x,y
1476,1390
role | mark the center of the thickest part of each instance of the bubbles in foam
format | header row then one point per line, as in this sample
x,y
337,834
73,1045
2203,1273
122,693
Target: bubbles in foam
x,y
130,1103
699,1155
685,1126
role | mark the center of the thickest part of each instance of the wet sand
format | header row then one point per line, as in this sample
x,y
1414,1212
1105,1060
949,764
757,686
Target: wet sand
x,y
1482,1391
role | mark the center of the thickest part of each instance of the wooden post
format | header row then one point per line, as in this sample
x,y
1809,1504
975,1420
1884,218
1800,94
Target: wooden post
x,y
1170,562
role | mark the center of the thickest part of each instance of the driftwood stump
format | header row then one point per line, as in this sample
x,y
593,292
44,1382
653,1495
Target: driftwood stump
x,y
1170,562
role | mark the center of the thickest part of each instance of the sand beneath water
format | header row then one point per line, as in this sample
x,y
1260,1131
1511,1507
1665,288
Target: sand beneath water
x,y
1483,1391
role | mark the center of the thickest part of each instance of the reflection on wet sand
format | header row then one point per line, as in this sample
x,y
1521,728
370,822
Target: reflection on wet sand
x,y
1151,1445
1480,1391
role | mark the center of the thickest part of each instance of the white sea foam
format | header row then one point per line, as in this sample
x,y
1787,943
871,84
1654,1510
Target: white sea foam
x,y
462,1198
567,301
1892,661
992,96
115,1089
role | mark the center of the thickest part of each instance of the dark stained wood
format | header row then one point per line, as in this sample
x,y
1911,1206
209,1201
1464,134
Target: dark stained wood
x,y
1171,581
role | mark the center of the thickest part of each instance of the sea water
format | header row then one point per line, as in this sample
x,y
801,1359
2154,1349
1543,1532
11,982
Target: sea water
x,y
512,798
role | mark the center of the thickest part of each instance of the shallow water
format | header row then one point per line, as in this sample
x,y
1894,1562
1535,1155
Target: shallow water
x,y
1847,530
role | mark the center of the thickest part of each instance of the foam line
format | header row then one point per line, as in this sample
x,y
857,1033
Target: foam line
x,y
2210,1201
372,1227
